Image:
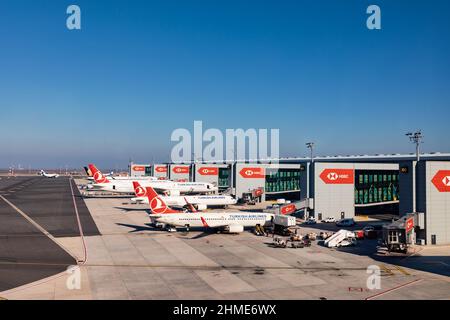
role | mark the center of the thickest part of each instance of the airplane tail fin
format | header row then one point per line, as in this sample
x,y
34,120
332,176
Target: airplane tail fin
x,y
98,176
157,204
139,191
88,172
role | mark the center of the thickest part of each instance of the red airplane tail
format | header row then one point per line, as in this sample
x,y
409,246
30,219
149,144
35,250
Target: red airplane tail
x,y
139,191
97,175
157,205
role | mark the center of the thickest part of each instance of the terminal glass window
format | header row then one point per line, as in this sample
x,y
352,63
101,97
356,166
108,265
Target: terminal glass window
x,y
224,177
282,180
375,186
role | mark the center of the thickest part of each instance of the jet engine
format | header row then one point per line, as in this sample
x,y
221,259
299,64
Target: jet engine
x,y
201,207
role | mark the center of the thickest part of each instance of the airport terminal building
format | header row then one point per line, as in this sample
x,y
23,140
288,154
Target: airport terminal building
x,y
339,186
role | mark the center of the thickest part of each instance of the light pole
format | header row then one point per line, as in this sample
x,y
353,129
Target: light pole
x,y
310,146
416,138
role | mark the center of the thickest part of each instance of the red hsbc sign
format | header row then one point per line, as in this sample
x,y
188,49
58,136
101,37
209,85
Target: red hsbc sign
x,y
138,168
208,171
161,169
409,224
180,169
252,173
441,180
337,176
290,208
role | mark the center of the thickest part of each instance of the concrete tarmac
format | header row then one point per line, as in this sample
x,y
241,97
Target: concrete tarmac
x,y
29,208
50,203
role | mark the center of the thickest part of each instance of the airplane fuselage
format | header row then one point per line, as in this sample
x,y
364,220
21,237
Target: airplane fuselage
x,y
215,220
180,201
126,186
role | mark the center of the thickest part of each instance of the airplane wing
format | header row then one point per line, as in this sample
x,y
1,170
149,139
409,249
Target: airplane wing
x,y
191,208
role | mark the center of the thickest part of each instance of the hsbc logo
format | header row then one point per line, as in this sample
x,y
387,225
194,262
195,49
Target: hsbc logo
x,y
255,173
337,176
206,171
161,169
180,169
441,180
446,181
332,176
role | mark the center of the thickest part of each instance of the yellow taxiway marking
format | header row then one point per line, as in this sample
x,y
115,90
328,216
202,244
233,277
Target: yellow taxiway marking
x,y
395,268
386,269
406,273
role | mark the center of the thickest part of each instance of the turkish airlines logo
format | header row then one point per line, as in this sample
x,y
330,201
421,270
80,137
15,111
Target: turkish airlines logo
x,y
204,171
140,192
99,177
288,209
252,173
180,169
157,205
409,224
337,176
441,180
161,169
259,192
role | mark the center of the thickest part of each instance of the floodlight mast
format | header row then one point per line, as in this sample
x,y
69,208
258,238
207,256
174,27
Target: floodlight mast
x,y
416,138
310,146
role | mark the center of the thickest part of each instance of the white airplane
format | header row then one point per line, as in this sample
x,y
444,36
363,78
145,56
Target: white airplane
x,y
112,177
48,175
126,186
201,202
230,222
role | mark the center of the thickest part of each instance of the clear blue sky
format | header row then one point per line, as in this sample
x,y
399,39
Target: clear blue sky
x,y
139,69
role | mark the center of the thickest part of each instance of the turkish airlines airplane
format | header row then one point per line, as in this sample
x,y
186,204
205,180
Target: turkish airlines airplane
x,y
48,175
201,202
126,186
112,177
230,222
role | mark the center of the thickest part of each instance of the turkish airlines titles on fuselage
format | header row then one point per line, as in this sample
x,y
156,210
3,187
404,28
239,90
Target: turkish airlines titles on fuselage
x,y
215,220
126,186
210,200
